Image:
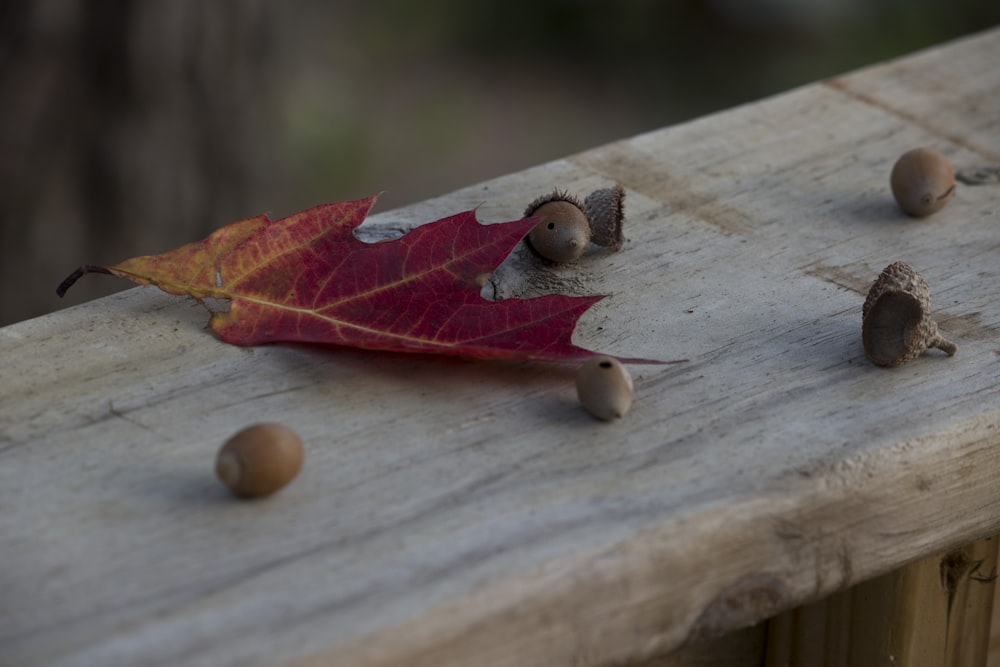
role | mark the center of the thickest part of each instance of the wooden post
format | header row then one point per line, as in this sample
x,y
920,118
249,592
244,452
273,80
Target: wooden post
x,y
935,612
743,648
993,657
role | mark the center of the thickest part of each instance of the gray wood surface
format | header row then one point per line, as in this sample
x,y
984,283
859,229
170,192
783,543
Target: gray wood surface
x,y
453,512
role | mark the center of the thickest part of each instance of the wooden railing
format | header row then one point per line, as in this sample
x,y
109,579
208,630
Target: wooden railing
x,y
453,512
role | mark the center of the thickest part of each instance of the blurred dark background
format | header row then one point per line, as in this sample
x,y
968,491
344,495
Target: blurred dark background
x,y
130,128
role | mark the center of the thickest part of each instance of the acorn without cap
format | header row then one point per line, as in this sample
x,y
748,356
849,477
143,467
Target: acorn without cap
x,y
564,231
260,460
897,324
604,387
922,181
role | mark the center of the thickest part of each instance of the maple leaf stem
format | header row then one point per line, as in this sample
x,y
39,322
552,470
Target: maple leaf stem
x,y
79,273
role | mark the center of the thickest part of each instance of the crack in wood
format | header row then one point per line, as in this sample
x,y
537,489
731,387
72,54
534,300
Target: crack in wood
x,y
640,172
839,276
843,85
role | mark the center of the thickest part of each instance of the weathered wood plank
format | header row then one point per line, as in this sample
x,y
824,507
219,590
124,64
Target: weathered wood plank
x,y
453,512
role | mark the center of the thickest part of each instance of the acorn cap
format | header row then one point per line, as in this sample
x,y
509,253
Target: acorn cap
x,y
606,210
897,324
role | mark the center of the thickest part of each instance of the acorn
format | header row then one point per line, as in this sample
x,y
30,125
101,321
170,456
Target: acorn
x,y
922,181
604,387
569,226
897,324
606,210
564,231
260,460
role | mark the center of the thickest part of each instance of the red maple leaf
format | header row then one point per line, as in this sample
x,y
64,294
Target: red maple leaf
x,y
307,278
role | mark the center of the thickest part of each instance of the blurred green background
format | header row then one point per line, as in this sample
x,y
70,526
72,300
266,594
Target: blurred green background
x,y
133,127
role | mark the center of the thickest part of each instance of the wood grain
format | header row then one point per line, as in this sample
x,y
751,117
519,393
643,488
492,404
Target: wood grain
x,y
453,512
993,654
935,612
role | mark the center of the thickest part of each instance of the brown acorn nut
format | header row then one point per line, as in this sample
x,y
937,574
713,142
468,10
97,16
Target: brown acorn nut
x,y
564,231
922,181
260,460
604,387
897,324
